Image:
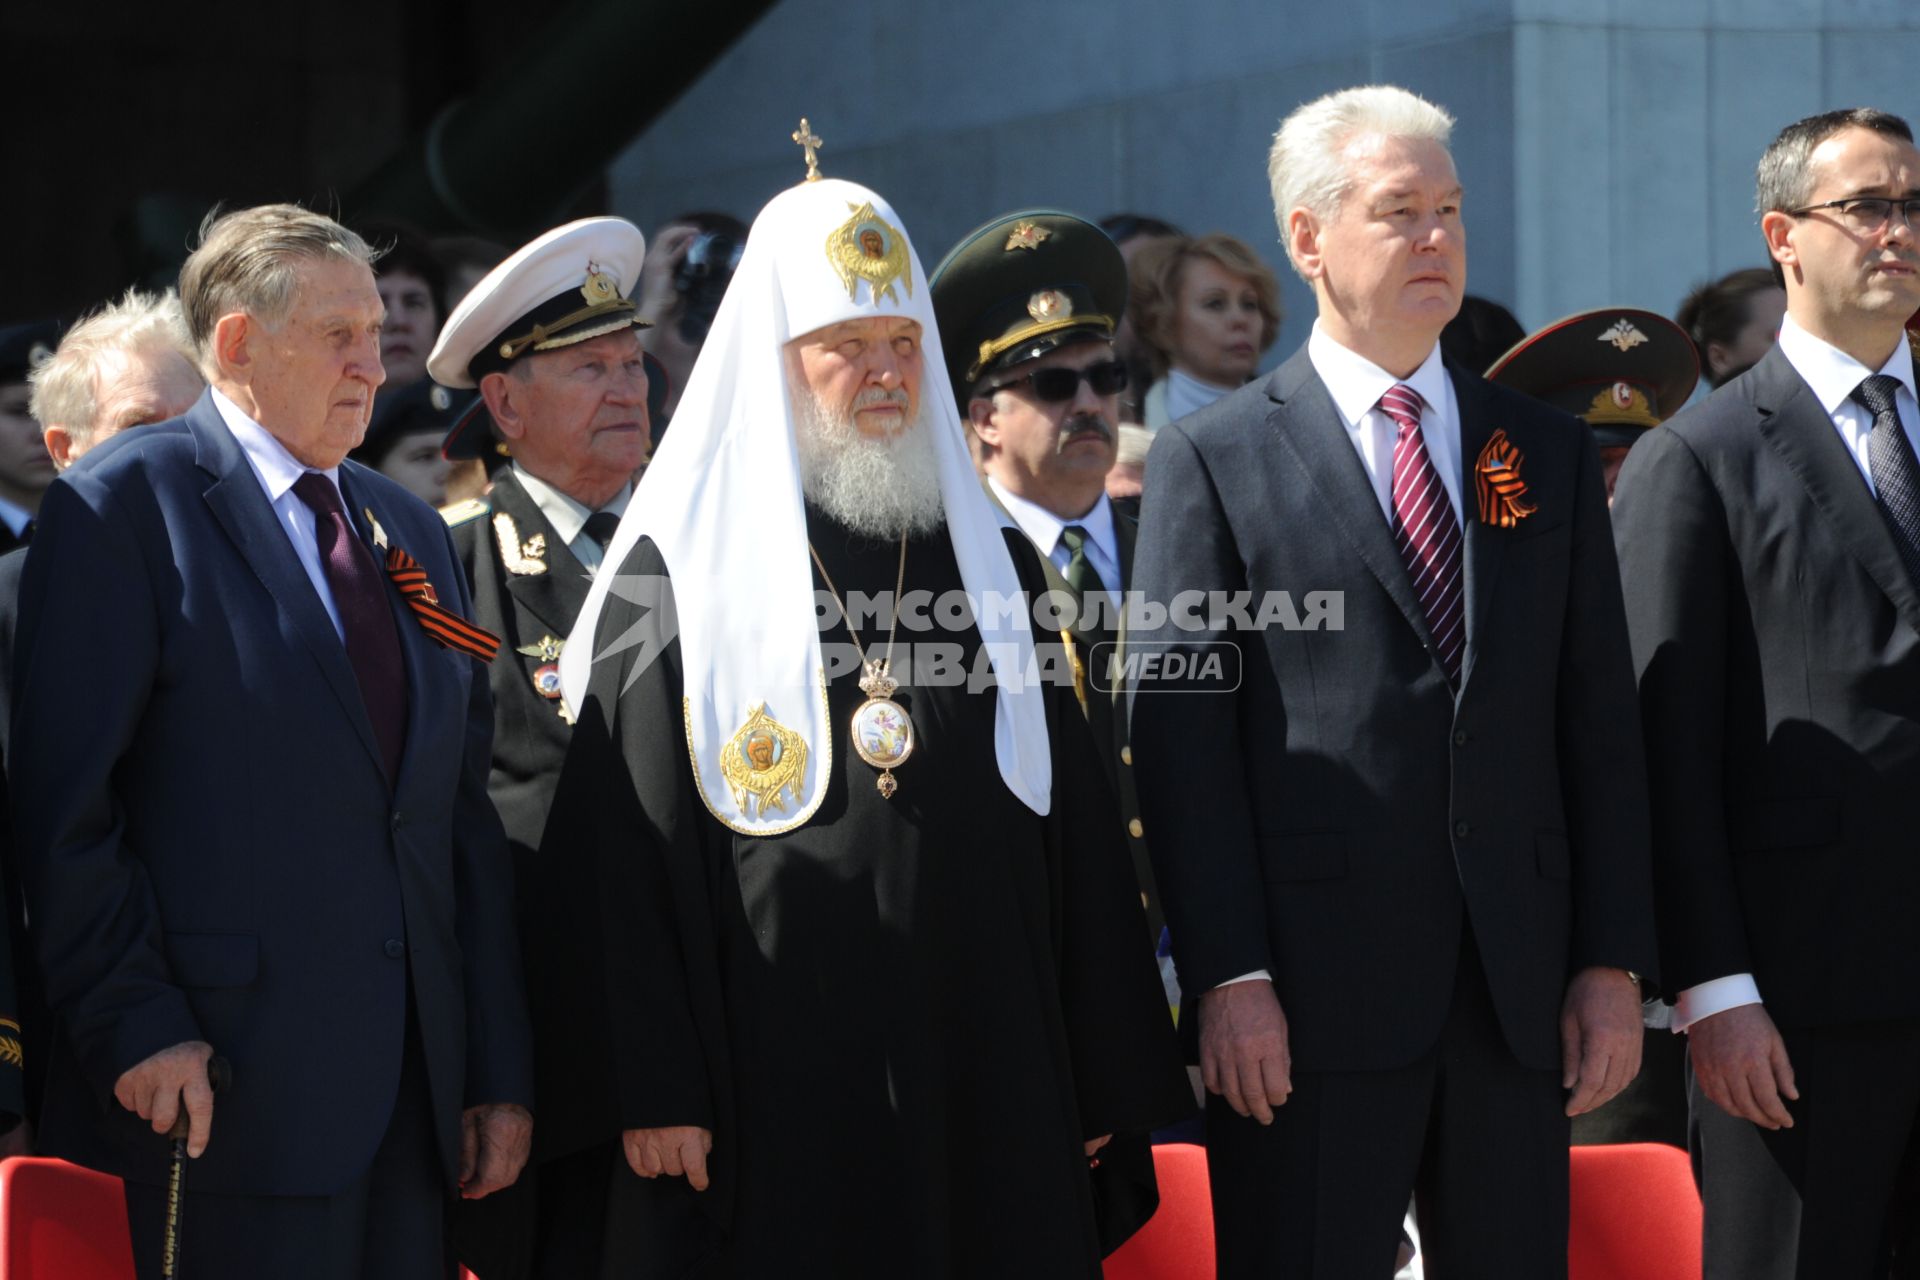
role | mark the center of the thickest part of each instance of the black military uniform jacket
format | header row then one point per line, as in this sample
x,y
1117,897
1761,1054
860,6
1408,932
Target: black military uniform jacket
x,y
528,587
1106,710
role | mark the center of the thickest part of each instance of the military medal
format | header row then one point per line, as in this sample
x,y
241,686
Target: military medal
x,y
546,676
882,729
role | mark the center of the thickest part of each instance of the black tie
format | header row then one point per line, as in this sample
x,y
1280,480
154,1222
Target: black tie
x,y
360,597
600,526
1896,474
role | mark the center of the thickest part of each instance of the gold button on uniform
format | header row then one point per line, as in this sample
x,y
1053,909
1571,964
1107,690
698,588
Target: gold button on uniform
x,y
1135,830
1126,755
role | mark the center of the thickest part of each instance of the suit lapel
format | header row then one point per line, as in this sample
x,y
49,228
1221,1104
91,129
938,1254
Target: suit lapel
x,y
1126,532
556,596
1797,428
1485,547
241,507
1308,430
418,649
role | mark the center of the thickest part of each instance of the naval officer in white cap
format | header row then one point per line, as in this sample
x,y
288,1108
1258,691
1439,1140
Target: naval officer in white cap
x,y
550,339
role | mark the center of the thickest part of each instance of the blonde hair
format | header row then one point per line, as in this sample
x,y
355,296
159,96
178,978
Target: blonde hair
x,y
1307,167
1154,284
247,261
66,387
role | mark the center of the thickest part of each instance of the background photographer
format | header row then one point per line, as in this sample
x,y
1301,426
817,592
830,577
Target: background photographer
x,y
689,262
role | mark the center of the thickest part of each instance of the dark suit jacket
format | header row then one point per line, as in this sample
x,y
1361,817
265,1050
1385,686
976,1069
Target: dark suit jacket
x,y
529,743
1777,638
1329,818
212,849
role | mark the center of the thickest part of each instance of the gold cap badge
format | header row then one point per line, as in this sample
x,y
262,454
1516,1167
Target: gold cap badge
x,y
1050,304
599,288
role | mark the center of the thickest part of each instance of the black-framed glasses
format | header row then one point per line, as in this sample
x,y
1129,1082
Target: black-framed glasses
x,y
1058,383
1868,213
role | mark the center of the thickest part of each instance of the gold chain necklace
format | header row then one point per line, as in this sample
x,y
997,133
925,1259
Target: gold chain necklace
x,y
882,730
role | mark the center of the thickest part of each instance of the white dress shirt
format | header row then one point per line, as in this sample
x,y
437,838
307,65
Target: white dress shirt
x,y
276,470
569,518
1043,528
1356,385
1831,374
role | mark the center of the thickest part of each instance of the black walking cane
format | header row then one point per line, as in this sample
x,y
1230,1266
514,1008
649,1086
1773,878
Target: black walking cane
x,y
219,1079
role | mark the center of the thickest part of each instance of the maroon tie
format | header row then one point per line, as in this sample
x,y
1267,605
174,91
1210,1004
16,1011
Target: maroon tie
x,y
1426,530
360,597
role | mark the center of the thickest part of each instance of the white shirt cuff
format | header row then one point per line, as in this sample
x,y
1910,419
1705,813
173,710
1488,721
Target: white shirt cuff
x,y
1697,1004
1257,975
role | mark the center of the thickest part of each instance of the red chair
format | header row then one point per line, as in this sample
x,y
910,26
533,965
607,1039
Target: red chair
x,y
1177,1242
61,1222
1636,1214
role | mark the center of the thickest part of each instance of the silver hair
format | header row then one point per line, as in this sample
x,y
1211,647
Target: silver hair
x,y
247,262
66,387
1307,167
880,487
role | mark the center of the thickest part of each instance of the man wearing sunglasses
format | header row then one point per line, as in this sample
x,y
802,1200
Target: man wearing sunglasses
x,y
1027,306
1770,548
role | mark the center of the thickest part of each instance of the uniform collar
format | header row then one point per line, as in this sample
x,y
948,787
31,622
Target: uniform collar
x,y
566,516
1043,527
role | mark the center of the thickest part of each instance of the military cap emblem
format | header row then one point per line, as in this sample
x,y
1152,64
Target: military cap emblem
x,y
38,354
761,760
866,247
1025,235
1050,304
440,398
1623,335
600,287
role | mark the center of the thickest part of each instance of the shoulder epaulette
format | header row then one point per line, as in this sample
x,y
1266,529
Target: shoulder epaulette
x,y
459,513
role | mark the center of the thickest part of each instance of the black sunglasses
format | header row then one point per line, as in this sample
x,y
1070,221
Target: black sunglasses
x,y
1058,383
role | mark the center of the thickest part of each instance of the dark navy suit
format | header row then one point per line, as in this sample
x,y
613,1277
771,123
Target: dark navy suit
x,y
211,847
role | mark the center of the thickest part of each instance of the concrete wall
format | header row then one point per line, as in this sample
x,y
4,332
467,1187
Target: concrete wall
x,y
1607,146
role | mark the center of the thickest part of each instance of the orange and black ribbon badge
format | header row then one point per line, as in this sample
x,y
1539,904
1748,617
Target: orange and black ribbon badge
x,y
1496,476
444,625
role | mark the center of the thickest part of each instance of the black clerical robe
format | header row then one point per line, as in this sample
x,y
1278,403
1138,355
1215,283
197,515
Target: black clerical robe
x,y
902,1020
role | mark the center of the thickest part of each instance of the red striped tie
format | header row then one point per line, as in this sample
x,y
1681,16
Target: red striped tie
x,y
1427,531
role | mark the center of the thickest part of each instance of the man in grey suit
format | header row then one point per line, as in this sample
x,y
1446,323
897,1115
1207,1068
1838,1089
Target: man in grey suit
x,y
1770,546
1402,843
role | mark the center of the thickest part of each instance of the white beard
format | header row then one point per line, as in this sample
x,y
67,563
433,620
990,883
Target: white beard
x,y
880,487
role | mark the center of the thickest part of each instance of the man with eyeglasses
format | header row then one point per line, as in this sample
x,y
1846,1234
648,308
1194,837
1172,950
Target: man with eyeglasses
x,y
1028,305
1770,548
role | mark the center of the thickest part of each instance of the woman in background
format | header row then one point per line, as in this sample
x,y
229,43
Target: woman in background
x,y
1207,308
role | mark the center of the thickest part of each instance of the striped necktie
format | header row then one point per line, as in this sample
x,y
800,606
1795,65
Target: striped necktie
x,y
1426,531
1896,474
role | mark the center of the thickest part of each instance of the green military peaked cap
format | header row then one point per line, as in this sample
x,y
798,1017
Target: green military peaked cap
x,y
1022,285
